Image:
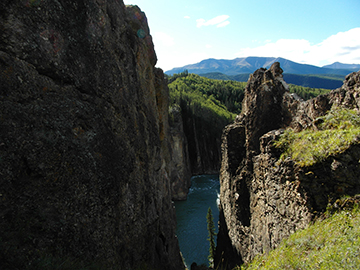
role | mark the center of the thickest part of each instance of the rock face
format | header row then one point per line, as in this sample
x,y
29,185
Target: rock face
x,y
180,174
84,153
204,147
263,200
203,140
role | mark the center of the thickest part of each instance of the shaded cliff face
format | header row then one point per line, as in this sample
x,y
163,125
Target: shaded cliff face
x,y
180,173
84,160
263,200
204,142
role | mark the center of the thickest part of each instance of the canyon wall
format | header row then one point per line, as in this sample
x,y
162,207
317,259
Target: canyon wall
x,y
85,152
181,169
203,144
264,200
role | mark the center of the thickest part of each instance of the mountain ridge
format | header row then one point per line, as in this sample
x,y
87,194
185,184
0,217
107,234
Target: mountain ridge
x,y
338,65
250,64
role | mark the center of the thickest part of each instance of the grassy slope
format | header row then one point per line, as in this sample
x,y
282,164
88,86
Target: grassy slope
x,y
339,129
333,243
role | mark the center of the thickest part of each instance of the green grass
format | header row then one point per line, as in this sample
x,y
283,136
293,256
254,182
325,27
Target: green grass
x,y
339,129
333,243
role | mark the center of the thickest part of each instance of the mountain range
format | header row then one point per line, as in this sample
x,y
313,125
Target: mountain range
x,y
250,64
329,76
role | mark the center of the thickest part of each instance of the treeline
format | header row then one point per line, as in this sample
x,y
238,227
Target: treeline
x,y
307,92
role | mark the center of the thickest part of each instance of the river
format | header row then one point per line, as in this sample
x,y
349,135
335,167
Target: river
x,y
191,218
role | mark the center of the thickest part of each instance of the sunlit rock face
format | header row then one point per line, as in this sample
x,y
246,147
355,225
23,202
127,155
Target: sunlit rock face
x,y
84,153
264,200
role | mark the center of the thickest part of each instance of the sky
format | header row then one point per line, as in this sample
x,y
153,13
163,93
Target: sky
x,y
316,32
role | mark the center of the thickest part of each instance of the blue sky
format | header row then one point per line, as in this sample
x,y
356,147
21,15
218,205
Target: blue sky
x,y
317,32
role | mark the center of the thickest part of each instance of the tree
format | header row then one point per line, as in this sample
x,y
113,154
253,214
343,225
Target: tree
x,y
211,230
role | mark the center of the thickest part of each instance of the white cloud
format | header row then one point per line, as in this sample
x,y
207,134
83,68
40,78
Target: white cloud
x,y
200,22
342,47
218,20
163,38
186,17
223,24
208,46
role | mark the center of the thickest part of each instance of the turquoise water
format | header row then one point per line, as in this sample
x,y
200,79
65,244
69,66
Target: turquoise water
x,y
191,218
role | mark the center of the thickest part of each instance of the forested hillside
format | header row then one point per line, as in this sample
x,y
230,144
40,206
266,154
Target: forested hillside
x,y
217,95
307,92
207,106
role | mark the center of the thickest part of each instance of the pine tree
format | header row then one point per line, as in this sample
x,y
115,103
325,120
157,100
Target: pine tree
x,y
211,230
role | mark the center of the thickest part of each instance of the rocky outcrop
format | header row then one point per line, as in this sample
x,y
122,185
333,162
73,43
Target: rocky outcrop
x,y
264,200
84,153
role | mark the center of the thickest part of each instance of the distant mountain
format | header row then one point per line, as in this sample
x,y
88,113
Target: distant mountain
x,y
337,65
250,64
313,81
228,67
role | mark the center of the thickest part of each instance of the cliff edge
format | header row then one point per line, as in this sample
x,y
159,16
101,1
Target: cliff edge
x,y
263,198
85,160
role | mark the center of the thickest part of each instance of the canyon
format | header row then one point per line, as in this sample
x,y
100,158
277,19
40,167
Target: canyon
x,y
91,156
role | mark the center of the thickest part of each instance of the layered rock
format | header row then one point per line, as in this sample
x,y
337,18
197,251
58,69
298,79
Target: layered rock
x,y
85,162
264,200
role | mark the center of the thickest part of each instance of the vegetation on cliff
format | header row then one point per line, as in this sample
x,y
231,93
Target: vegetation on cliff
x,y
332,243
335,132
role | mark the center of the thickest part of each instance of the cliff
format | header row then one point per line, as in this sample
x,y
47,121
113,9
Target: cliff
x,y
265,199
181,170
203,138
84,149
